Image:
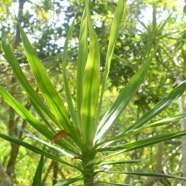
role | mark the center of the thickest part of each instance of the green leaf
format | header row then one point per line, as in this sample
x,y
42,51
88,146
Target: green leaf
x,y
66,86
37,150
148,174
38,174
59,150
162,105
123,99
163,23
118,184
120,162
91,80
43,117
24,82
66,182
46,87
25,114
35,99
143,128
144,143
143,25
166,120
82,58
112,39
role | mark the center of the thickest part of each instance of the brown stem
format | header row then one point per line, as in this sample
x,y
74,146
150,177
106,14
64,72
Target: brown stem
x,y
55,172
4,179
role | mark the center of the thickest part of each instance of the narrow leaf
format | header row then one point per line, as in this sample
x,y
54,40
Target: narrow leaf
x,y
82,58
163,23
91,79
145,142
162,122
148,174
25,114
162,105
24,82
67,182
46,86
66,85
112,39
43,117
51,146
120,162
35,99
38,174
118,184
36,150
123,99
166,120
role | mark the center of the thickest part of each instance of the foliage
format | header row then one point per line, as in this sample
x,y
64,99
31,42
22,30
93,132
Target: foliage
x,y
86,136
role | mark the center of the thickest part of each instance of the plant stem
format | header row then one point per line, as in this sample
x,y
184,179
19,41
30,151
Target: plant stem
x,y
88,169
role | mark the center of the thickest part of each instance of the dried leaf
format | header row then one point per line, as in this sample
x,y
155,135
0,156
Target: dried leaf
x,y
60,135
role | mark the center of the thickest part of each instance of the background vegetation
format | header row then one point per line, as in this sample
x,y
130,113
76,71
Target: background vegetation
x,y
47,24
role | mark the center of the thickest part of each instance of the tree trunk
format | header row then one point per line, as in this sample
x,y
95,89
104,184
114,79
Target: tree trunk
x,y
20,17
158,168
12,131
179,80
12,125
183,127
4,179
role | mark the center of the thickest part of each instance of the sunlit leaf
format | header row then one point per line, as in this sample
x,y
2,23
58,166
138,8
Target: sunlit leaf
x,y
36,150
46,87
82,58
24,82
90,87
66,84
112,39
51,146
145,142
160,106
123,99
25,114
140,129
